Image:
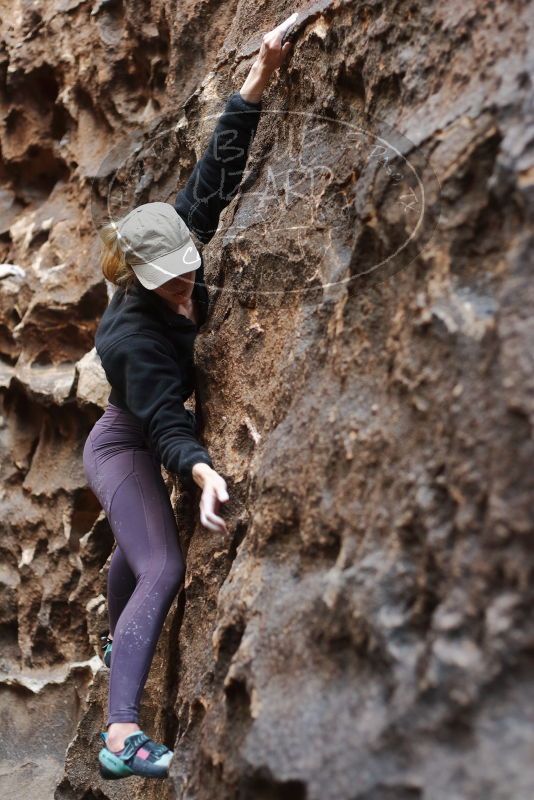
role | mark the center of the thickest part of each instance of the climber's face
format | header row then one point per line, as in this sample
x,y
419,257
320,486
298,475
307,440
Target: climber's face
x,y
181,285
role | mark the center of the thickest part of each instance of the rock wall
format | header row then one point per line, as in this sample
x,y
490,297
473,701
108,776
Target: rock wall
x,y
366,380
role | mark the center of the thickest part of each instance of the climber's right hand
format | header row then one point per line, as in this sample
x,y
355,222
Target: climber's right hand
x,y
214,493
272,52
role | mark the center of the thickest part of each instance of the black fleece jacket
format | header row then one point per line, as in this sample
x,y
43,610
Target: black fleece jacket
x,y
146,349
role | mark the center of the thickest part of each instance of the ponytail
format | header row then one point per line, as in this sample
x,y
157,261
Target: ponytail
x,y
113,264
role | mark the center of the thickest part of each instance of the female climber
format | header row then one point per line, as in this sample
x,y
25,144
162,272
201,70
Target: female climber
x,y
145,342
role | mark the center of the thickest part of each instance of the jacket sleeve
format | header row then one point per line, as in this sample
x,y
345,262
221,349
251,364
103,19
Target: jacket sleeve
x,y
217,175
146,375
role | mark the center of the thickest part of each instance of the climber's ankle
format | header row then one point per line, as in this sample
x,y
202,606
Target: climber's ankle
x,y
117,732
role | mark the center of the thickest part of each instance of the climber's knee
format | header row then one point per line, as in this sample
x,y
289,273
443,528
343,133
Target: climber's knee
x,y
172,576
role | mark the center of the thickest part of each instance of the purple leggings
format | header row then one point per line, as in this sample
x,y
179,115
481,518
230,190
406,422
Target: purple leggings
x,y
147,567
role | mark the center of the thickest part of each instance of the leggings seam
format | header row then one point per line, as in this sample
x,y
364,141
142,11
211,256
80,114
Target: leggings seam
x,y
132,471
144,508
136,701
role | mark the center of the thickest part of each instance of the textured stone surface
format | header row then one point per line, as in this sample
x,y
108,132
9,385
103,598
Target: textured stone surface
x,y
366,631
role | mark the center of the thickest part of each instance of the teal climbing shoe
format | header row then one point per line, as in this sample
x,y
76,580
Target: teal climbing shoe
x,y
106,650
140,756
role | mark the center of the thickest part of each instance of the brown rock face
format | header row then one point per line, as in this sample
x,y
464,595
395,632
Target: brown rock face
x,y
366,378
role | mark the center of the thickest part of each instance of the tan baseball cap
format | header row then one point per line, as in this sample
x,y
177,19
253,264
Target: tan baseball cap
x,y
157,243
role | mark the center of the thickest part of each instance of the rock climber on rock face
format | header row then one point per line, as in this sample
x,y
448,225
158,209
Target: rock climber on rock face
x,y
145,342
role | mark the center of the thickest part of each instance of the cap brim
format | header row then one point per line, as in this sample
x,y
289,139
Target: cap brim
x,y
155,273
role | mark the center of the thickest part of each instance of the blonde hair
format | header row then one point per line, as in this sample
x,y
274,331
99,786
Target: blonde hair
x,y
112,261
